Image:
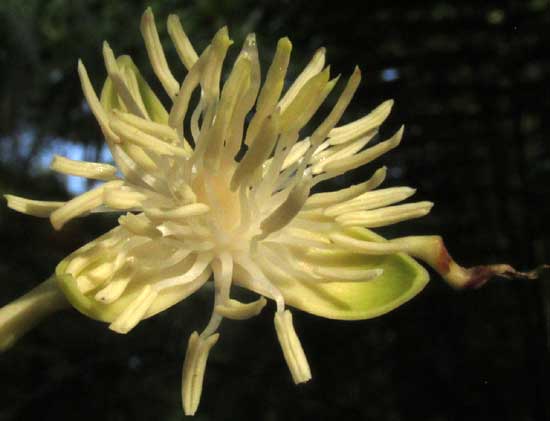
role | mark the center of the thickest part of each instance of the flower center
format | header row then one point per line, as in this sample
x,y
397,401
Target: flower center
x,y
230,227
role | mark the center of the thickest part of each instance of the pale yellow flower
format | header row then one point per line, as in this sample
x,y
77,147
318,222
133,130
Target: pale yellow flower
x,y
192,213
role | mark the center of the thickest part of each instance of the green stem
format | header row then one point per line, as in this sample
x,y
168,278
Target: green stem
x,y
21,315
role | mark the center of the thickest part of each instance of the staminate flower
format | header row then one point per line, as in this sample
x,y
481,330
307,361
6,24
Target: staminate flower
x,y
192,212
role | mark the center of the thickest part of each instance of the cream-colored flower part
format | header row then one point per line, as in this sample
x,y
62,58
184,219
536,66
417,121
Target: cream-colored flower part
x,y
191,211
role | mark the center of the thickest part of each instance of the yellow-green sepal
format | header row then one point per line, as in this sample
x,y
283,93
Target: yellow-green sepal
x,y
87,304
403,278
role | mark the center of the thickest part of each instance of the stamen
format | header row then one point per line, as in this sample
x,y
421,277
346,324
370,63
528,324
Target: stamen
x,y
194,123
340,274
288,210
292,348
223,274
210,78
343,101
101,272
80,204
177,214
257,153
184,48
237,83
131,170
385,216
199,266
343,165
249,51
85,284
291,262
135,311
270,178
364,125
139,225
313,68
271,89
193,370
78,263
171,229
254,278
371,200
320,200
119,83
247,101
297,152
92,170
336,153
366,247
272,264
156,54
199,246
144,140
319,225
302,242
141,158
114,289
190,83
130,77
91,252
235,310
39,208
133,245
179,255
306,102
157,130
117,198
95,105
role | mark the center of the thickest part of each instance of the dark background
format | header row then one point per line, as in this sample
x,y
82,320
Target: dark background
x,y
471,84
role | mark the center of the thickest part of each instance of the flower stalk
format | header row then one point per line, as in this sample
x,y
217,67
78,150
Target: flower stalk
x,y
21,315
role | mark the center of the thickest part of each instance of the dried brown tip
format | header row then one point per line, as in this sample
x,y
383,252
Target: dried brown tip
x,y
433,251
479,275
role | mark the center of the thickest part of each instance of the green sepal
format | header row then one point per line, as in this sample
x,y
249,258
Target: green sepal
x,y
403,278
